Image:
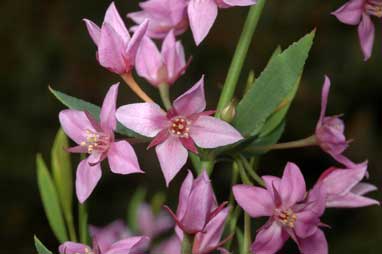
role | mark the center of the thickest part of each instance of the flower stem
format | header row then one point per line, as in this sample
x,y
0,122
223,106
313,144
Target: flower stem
x,y
239,56
164,92
247,232
130,81
70,225
187,244
83,223
251,171
309,141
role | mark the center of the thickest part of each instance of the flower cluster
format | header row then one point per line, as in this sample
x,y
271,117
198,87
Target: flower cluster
x,y
184,129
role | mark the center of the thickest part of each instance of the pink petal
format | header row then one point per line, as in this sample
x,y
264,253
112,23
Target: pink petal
x,y
271,183
192,101
199,205
107,116
255,201
240,2
170,246
146,220
149,61
324,99
73,248
351,200
111,50
209,239
189,144
75,123
113,18
136,244
172,157
210,132
350,13
306,224
202,15
315,244
173,56
363,188
269,240
109,234
184,194
366,31
86,179
292,186
135,42
94,31
122,158
147,119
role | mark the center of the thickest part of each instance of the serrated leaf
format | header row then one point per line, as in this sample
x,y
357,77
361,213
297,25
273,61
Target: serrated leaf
x,y
132,211
41,249
62,173
50,201
79,104
272,87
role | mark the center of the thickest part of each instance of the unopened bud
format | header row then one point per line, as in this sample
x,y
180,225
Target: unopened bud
x,y
229,112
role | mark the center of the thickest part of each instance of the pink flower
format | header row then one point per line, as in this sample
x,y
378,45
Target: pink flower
x,y
330,131
116,50
163,16
178,130
109,234
198,214
343,187
132,245
291,213
358,12
150,224
202,14
163,67
171,246
97,139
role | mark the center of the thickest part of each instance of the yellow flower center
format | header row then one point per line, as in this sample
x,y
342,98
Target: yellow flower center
x,y
286,217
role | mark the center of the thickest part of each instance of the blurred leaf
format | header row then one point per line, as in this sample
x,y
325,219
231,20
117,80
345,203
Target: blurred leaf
x,y
240,241
132,212
50,201
83,227
274,84
62,175
78,104
41,249
157,202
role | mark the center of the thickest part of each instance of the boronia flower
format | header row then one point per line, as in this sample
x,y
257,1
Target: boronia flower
x,y
330,131
359,12
178,130
163,16
151,224
169,246
106,236
198,214
132,245
202,14
343,187
291,211
97,139
163,67
116,49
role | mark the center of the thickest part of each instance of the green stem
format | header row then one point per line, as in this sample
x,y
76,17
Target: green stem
x,y
251,171
164,91
187,244
309,141
239,56
208,166
243,175
247,232
83,223
70,224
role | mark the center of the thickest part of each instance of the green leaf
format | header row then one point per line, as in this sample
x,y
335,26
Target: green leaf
x,y
41,249
50,201
132,213
78,104
62,175
269,139
275,83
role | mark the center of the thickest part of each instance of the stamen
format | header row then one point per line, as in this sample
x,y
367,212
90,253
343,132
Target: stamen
x,y
180,127
287,217
96,141
374,8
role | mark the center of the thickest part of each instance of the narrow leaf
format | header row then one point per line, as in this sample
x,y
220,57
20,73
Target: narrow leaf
x,y
132,213
273,85
62,175
41,249
78,104
50,201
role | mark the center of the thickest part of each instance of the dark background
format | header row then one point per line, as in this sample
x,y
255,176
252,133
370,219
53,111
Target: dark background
x,y
45,42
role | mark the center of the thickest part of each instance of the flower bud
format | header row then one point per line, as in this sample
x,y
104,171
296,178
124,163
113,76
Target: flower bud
x,y
229,112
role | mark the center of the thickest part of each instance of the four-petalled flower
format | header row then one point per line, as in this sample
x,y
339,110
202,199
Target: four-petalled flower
x,y
97,139
178,130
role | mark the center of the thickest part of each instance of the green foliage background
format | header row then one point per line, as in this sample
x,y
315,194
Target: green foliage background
x,y
45,43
